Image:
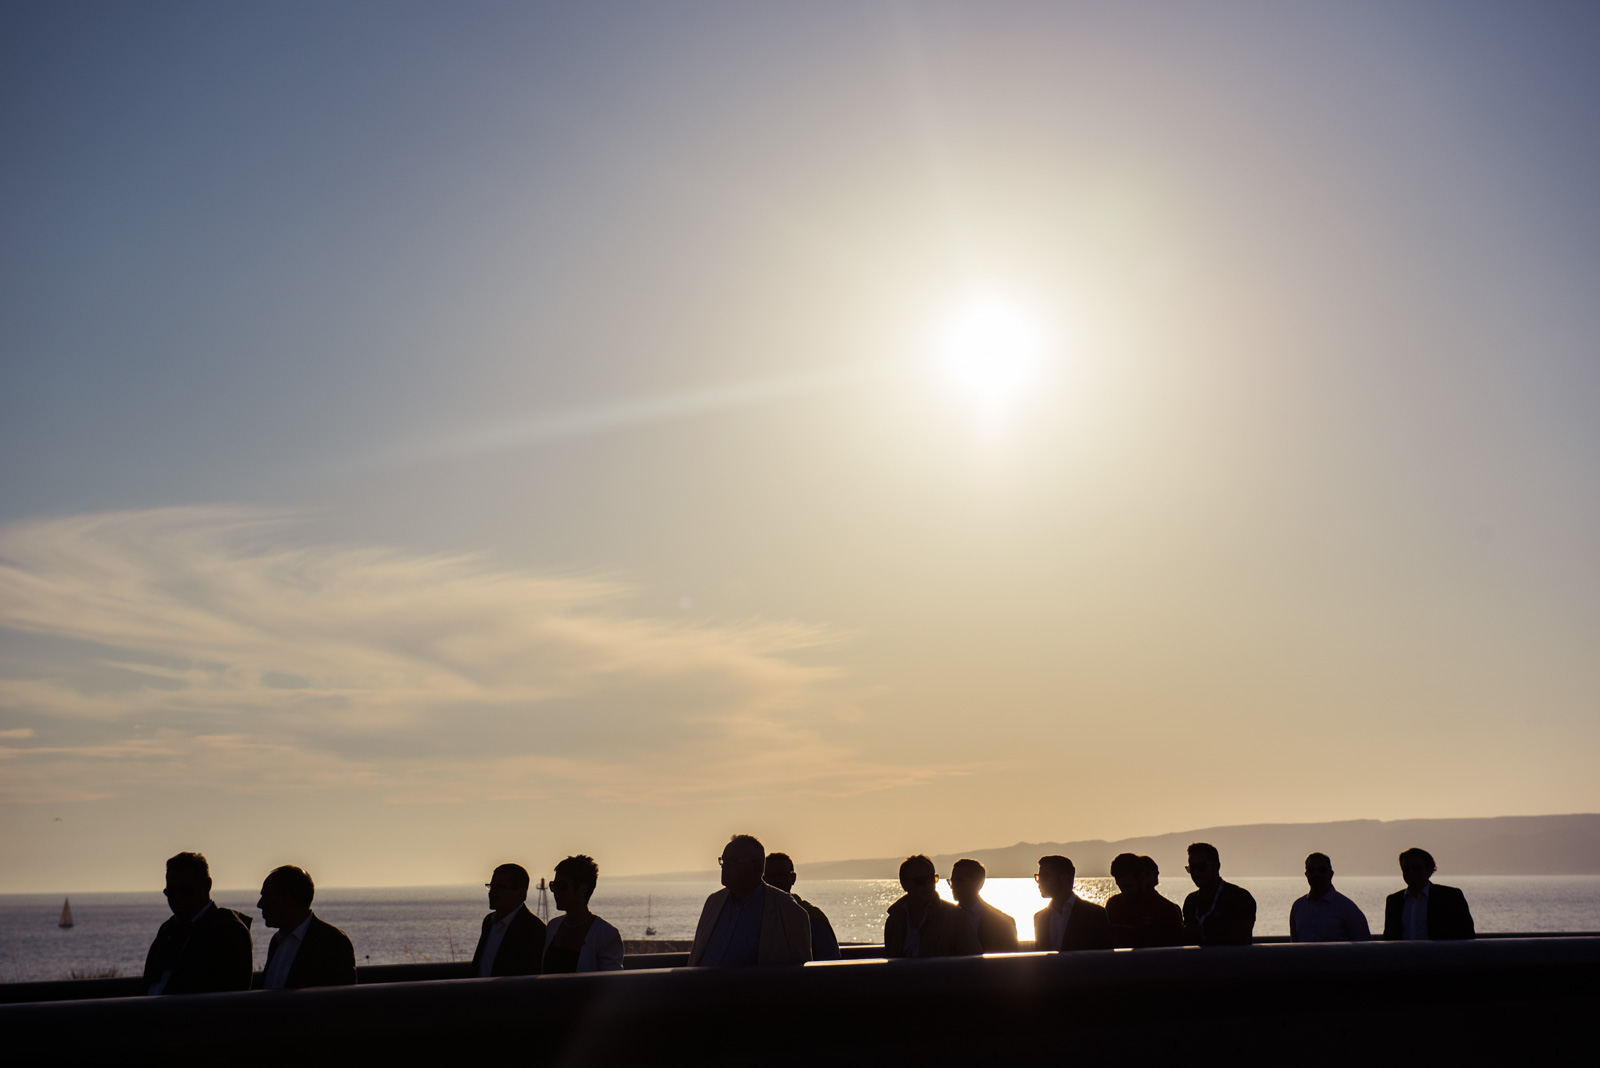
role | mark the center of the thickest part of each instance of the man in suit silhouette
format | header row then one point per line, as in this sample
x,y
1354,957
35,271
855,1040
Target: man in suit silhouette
x,y
512,939
920,924
1140,917
997,932
306,951
747,921
1424,909
1068,922
1217,913
779,873
203,948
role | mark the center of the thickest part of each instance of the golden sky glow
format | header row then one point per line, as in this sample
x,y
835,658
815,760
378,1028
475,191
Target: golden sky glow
x,y
440,437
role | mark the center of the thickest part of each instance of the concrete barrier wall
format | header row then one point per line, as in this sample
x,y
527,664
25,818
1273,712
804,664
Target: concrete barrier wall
x,y
1319,1003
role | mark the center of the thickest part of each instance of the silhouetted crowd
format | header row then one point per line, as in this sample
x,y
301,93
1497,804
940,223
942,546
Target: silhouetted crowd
x,y
756,918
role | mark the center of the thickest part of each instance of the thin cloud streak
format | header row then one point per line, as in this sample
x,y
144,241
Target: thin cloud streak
x,y
601,419
250,664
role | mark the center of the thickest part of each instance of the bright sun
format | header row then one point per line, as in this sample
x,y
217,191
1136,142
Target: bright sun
x,y
991,348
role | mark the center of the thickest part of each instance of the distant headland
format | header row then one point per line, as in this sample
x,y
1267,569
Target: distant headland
x,y
1501,845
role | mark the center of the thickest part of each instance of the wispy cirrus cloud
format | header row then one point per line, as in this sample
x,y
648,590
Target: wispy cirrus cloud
x,y
210,646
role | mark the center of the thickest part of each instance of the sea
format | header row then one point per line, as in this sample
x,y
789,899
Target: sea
x,y
396,925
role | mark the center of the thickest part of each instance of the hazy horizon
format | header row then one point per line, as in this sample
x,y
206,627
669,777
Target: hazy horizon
x,y
432,434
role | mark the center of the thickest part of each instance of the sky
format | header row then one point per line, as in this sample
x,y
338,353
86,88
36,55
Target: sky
x,y
440,435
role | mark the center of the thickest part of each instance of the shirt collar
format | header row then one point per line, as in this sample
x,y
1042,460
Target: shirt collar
x,y
299,933
1424,895
207,907
506,920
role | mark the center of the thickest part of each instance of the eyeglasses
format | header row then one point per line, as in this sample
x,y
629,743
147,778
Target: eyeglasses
x,y
180,891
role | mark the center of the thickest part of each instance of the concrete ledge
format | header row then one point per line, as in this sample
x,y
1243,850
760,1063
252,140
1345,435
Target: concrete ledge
x,y
1518,998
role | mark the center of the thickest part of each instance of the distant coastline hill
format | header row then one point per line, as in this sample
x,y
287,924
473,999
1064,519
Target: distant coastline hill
x,y
1503,845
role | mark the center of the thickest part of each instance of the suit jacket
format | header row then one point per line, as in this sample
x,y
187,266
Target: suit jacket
x,y
1088,927
997,932
602,946
325,958
1448,915
946,932
208,954
520,950
785,928
824,943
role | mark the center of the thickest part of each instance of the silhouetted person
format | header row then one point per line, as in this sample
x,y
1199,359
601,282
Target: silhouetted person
x,y
1324,914
204,947
306,951
1424,909
1068,922
1217,913
779,873
578,940
512,939
997,932
921,924
1140,917
748,922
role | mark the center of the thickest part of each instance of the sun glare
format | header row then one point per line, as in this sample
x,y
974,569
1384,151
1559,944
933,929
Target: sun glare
x,y
991,348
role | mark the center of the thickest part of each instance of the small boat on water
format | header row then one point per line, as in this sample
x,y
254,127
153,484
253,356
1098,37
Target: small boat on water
x,y
66,913
649,932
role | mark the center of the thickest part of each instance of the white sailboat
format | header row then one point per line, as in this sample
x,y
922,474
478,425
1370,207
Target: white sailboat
x,y
66,912
649,932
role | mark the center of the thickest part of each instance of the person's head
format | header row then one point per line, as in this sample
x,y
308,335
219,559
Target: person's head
x,y
1055,876
286,897
1205,864
188,884
1319,873
1128,872
966,880
1151,872
742,860
919,879
508,888
574,882
1417,867
779,872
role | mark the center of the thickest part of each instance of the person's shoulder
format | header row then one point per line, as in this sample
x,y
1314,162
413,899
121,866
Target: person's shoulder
x,y
1301,900
990,910
783,900
598,928
1090,905
228,920
1239,893
1166,904
1446,891
326,929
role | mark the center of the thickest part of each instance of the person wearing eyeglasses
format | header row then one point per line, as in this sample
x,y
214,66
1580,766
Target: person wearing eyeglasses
x,y
748,922
578,940
1425,910
1068,922
1217,913
997,932
920,924
203,948
512,939
307,950
1324,914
